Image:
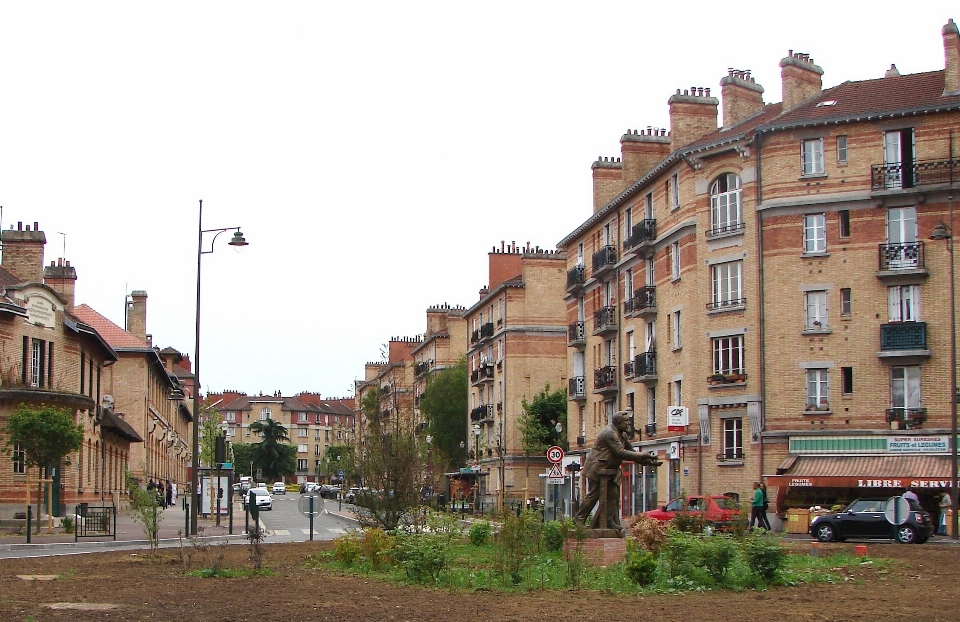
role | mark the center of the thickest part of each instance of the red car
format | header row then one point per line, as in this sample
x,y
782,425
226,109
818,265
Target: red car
x,y
715,509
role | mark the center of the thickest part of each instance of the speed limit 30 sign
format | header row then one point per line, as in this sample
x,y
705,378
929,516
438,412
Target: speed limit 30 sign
x,y
555,455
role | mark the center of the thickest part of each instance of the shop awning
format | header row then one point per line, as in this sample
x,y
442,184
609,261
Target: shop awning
x,y
887,471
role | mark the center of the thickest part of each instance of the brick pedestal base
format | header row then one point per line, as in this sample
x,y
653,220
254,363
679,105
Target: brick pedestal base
x,y
599,551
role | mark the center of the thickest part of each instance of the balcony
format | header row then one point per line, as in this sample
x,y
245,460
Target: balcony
x,y
644,302
604,260
577,334
605,320
732,304
483,412
903,339
475,336
419,369
577,389
576,278
485,372
486,330
906,418
730,228
650,429
605,379
920,173
628,369
899,259
645,366
642,234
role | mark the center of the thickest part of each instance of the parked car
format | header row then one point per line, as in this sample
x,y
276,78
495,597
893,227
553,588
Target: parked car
x,y
264,500
308,487
718,510
279,488
352,494
329,491
864,518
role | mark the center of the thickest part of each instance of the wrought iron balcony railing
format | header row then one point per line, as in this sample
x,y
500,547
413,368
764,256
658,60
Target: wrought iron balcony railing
x,y
643,299
904,256
576,333
732,303
628,369
605,319
605,377
919,173
486,330
908,416
645,364
576,277
604,259
577,388
730,227
643,232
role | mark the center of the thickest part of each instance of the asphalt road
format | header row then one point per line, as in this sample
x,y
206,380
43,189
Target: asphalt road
x,y
285,522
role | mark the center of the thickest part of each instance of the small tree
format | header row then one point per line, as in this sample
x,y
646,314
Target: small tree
x,y
539,422
443,403
242,458
45,434
272,454
146,510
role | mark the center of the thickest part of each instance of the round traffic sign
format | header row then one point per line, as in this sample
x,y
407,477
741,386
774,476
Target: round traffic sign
x,y
896,510
310,509
555,454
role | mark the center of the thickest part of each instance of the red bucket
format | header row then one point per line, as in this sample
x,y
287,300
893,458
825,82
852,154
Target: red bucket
x,y
860,550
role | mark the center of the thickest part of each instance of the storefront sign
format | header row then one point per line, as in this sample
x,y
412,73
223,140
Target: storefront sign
x,y
678,418
855,482
918,444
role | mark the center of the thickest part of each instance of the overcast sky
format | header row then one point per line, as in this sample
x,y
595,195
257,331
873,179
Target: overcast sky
x,y
372,153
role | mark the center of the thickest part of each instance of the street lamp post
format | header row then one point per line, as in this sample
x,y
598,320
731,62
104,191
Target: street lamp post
x,y
237,240
476,494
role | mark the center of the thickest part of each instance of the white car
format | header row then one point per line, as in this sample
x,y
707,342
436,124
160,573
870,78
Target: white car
x,y
279,488
264,500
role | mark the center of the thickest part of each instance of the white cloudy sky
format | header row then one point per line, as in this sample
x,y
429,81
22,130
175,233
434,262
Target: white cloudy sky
x,y
372,152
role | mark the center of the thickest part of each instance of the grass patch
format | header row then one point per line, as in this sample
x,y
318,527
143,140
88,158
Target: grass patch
x,y
228,573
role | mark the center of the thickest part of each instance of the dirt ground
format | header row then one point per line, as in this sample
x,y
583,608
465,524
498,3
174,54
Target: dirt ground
x,y
924,585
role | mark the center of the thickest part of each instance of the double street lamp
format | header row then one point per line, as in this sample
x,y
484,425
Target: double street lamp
x,y
237,241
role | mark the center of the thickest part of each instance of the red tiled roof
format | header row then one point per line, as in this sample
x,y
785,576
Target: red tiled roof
x,y
879,96
117,337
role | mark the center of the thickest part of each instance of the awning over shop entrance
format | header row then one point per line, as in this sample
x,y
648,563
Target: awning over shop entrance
x,y
887,471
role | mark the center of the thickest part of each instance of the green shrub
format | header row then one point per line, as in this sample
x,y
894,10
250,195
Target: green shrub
x,y
422,555
67,523
516,543
375,548
688,523
765,555
552,535
480,533
648,532
717,554
346,548
641,566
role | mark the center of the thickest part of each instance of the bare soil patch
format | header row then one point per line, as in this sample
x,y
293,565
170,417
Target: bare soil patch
x,y
923,584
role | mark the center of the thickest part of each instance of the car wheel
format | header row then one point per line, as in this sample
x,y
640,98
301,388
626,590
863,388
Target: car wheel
x,y
825,533
906,534
922,540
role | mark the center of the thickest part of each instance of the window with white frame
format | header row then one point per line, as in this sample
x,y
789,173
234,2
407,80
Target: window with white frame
x,y
652,405
674,187
814,233
677,392
36,363
815,315
580,263
841,149
725,213
728,355
903,303
727,283
818,389
648,206
318,450
675,329
302,448
627,222
265,414
339,434
811,156
675,260
19,460
733,438
301,464
628,284
301,417
302,432
316,435
905,387
230,416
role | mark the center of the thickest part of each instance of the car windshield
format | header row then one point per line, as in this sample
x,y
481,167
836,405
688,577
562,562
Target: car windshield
x,y
675,506
260,492
726,503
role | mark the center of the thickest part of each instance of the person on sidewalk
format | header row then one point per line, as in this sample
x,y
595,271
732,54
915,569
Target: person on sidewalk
x,y
169,492
756,505
946,502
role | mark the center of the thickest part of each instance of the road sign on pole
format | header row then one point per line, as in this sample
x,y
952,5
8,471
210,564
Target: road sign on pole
x,y
555,455
555,476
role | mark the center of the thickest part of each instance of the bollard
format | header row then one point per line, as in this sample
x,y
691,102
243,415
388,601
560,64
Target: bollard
x,y
815,549
29,516
860,550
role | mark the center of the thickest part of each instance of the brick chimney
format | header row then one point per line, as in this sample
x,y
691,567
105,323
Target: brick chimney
x,y
504,264
693,115
137,314
742,97
642,150
607,181
801,79
23,252
61,277
951,55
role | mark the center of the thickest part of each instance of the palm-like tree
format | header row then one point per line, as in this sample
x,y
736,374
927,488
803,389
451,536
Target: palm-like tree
x,y
273,455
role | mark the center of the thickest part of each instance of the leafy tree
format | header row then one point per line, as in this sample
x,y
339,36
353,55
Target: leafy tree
x,y
538,423
444,403
145,506
210,430
45,434
242,457
338,457
273,454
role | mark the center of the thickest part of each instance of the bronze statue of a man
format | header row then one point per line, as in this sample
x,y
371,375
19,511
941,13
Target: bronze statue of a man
x,y
611,448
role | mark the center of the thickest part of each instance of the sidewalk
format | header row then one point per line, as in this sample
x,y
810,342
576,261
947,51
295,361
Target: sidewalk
x,y
130,533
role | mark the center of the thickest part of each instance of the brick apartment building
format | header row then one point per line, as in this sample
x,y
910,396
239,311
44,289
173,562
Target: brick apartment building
x,y
762,294
49,356
313,424
517,342
391,383
444,344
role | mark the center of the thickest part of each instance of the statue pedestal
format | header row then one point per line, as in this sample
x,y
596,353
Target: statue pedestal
x,y
599,551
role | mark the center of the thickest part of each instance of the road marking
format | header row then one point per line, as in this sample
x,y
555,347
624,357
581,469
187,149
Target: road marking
x,y
340,532
281,532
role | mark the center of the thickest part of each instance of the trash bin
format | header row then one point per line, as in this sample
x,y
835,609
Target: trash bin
x,y
82,509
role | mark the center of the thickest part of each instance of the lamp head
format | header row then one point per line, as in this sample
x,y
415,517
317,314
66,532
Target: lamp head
x,y
238,239
940,232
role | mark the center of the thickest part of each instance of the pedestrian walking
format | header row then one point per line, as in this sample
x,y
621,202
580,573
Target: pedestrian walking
x,y
756,506
946,503
766,507
169,492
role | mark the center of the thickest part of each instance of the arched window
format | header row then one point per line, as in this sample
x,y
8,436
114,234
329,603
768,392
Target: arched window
x,y
725,213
